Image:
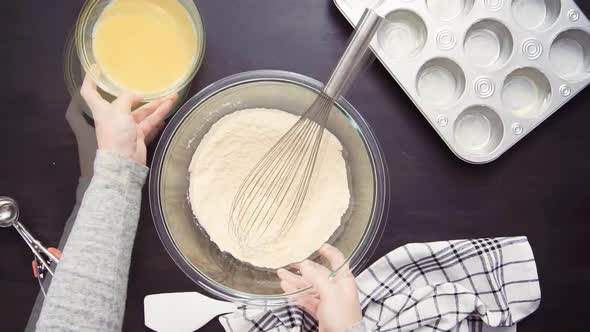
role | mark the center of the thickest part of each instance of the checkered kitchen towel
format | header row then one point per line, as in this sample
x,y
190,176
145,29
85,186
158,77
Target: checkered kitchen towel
x,y
463,285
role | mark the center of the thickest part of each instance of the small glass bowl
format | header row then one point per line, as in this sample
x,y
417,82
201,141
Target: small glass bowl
x,y
84,35
188,243
74,76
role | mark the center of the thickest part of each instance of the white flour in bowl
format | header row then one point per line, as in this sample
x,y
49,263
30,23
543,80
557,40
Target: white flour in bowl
x,y
225,156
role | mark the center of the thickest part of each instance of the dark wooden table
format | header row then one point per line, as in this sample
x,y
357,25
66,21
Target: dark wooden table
x,y
540,188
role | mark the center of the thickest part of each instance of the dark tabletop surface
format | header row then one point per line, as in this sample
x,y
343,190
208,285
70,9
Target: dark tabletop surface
x,y
540,188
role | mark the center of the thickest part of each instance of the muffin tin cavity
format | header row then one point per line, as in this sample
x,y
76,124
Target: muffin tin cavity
x,y
536,14
447,10
570,54
478,130
440,82
488,43
526,92
403,35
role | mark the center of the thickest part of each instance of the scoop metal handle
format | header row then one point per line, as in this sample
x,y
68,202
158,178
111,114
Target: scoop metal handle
x,y
9,213
354,57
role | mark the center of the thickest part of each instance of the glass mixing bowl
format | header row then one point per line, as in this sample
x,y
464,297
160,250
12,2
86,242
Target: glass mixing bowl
x,y
84,35
188,244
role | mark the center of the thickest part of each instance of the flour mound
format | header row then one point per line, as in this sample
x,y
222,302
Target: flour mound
x,y
223,159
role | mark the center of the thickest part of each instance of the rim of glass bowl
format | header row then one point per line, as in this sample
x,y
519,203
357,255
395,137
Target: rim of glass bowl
x,y
359,255
88,10
69,63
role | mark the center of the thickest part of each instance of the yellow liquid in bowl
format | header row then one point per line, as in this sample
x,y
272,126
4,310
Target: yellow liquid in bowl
x,y
145,46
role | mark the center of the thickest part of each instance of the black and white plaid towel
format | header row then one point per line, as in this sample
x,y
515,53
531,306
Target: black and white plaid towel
x,y
463,285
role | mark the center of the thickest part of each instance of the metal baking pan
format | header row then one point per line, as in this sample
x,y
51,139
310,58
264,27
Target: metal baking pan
x,y
484,73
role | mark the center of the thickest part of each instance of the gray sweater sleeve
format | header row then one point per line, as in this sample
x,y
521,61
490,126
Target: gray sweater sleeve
x,y
89,289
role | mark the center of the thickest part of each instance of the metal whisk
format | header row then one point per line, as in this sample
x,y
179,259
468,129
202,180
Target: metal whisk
x,y
271,196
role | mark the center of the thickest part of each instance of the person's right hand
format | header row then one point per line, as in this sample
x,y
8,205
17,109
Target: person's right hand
x,y
334,301
120,131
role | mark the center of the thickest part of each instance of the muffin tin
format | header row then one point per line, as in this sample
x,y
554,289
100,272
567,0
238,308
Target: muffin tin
x,y
484,73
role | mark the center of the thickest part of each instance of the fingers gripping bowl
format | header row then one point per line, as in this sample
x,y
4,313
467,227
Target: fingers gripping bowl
x,y
188,243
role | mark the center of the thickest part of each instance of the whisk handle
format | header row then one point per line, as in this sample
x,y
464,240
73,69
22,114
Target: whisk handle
x,y
353,59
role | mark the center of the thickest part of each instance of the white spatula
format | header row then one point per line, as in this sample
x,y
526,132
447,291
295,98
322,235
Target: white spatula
x,y
182,312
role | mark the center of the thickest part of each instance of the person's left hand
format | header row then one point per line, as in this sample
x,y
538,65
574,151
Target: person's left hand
x,y
121,131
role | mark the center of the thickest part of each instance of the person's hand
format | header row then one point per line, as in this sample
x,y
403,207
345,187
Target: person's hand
x,y
334,301
120,131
